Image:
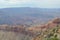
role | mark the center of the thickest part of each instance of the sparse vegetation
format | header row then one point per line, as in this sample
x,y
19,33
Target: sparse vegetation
x,y
50,31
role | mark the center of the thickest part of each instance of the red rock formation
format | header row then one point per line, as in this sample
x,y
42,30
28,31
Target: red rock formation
x,y
31,30
50,24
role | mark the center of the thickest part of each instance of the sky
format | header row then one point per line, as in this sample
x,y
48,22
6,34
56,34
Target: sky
x,y
30,3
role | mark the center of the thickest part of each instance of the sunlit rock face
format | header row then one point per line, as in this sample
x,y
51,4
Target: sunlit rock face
x,y
51,24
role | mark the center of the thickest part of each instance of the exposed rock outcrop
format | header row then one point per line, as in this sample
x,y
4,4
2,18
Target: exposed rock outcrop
x,y
51,24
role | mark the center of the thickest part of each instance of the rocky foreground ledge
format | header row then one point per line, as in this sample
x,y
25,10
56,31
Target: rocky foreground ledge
x,y
49,31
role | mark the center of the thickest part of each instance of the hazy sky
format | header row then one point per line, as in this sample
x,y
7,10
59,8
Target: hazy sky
x,y
30,3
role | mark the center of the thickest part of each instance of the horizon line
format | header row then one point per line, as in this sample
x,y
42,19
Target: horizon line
x,y
27,7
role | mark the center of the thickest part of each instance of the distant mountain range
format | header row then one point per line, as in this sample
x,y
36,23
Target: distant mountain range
x,y
26,15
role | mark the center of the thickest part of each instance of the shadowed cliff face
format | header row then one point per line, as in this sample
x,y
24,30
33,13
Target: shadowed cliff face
x,y
16,29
